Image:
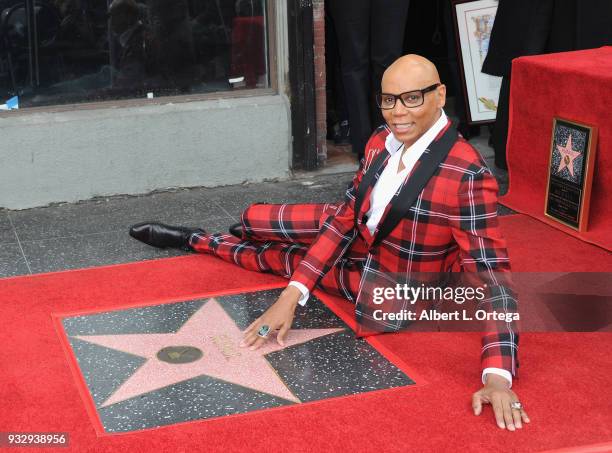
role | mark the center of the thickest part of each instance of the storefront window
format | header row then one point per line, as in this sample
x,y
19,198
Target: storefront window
x,y
69,51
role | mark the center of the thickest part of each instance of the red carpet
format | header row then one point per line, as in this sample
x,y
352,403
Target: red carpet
x,y
565,383
536,247
543,87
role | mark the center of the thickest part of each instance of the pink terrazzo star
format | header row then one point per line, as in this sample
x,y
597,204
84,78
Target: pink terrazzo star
x,y
211,330
567,156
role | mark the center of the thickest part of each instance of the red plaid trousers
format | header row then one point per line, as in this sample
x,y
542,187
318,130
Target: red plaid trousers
x,y
276,238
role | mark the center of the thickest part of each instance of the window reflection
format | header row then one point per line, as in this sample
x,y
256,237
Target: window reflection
x,y
66,51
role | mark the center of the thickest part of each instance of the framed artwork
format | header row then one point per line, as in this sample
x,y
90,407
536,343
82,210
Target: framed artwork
x,y
570,173
473,24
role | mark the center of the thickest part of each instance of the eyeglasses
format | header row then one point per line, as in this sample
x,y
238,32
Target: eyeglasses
x,y
410,99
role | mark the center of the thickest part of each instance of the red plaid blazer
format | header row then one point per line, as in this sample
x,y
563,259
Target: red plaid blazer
x,y
452,226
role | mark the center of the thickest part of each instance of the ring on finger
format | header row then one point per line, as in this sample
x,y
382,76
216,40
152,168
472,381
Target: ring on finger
x,y
263,331
516,405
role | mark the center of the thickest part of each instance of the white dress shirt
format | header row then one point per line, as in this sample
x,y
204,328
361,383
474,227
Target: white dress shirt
x,y
390,181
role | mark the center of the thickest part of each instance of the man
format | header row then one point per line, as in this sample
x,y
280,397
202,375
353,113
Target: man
x,y
453,220
130,59
370,36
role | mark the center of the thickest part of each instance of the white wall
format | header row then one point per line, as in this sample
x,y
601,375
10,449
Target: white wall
x,y
76,155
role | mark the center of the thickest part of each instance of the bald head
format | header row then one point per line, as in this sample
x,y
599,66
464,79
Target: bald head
x,y
413,68
412,73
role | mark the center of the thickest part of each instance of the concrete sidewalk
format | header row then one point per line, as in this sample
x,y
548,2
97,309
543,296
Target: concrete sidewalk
x,y
95,232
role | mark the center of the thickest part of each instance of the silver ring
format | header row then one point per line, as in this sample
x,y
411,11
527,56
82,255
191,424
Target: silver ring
x,y
263,331
516,405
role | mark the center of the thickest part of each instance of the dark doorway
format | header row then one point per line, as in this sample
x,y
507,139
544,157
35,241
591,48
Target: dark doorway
x,y
429,32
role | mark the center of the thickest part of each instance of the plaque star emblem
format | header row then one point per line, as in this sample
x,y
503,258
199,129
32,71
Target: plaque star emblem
x,y
567,156
207,344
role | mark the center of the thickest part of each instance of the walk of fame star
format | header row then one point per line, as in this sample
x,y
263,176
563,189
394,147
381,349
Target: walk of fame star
x,y
201,337
170,363
567,156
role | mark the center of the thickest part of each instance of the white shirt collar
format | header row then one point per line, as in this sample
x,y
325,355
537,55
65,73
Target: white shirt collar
x,y
393,144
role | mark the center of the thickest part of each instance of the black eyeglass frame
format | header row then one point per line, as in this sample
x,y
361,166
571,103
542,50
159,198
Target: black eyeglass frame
x,y
423,92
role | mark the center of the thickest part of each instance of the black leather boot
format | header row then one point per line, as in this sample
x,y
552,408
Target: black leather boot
x,y
236,230
162,236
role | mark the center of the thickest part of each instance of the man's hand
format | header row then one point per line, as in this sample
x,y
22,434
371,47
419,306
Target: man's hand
x,y
278,317
497,393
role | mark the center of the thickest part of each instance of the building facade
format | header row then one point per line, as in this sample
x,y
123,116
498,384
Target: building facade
x,y
133,96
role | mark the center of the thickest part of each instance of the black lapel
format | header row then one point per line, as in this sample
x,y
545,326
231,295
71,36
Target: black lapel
x,y
428,165
368,180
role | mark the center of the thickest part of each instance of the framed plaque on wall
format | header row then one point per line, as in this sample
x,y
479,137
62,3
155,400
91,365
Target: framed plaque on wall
x,y
473,24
